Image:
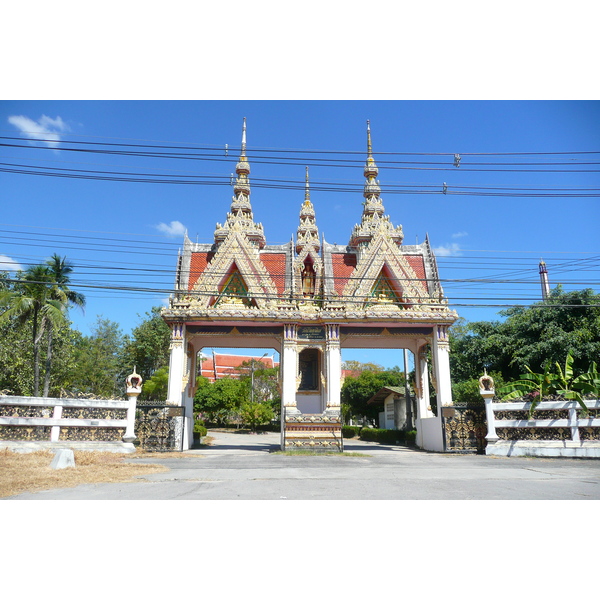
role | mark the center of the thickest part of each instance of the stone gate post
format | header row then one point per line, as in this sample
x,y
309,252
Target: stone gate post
x,y
333,369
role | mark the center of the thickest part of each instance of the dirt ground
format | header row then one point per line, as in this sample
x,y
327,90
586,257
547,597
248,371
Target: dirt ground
x,y
32,472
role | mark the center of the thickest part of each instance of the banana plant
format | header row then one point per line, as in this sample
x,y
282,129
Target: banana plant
x,y
538,385
561,382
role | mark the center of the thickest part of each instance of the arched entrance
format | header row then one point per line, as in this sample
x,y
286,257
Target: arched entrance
x,y
308,299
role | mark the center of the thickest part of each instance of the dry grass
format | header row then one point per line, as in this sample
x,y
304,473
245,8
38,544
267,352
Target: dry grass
x,y
31,472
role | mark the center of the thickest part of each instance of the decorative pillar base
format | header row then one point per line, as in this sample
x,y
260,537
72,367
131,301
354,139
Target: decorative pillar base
x,y
316,433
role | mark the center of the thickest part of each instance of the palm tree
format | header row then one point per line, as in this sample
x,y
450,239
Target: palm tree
x,y
41,294
27,298
59,271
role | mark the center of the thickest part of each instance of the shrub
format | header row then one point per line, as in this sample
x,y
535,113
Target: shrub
x,y
199,427
388,436
254,414
350,431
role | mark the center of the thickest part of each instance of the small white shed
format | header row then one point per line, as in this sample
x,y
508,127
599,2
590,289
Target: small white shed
x,y
396,412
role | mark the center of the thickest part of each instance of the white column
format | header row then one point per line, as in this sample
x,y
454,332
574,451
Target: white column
x,y
441,359
491,436
333,357
422,375
177,361
289,369
422,372
433,432
289,373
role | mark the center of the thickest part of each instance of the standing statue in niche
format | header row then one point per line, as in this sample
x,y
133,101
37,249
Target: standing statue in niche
x,y
308,281
308,371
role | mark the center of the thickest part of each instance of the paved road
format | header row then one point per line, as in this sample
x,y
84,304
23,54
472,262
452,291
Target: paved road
x,y
244,467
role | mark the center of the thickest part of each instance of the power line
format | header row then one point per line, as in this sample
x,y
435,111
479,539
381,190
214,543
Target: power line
x,y
237,149
284,160
217,180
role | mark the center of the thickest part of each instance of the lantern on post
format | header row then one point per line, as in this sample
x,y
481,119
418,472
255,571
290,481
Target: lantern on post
x,y
133,385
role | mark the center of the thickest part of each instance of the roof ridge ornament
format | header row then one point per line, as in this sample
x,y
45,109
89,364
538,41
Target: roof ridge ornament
x,y
373,210
308,232
240,213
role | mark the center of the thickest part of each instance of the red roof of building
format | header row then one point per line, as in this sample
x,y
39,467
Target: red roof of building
x,y
198,264
418,266
275,265
343,267
218,366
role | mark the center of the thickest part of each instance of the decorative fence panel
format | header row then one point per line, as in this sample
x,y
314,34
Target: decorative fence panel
x,y
465,428
159,427
556,428
62,420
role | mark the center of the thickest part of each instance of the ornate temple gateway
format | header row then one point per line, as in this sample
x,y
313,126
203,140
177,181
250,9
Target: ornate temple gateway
x,y
308,299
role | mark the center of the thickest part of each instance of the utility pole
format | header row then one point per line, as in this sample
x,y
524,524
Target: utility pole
x,y
544,280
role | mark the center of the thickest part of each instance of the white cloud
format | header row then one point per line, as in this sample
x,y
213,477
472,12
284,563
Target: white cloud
x,y
447,250
459,234
45,128
8,264
174,229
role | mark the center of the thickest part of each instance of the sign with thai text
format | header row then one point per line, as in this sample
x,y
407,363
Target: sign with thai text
x,y
311,333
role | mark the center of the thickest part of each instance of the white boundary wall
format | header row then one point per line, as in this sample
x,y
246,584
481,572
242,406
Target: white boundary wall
x,y
574,447
55,421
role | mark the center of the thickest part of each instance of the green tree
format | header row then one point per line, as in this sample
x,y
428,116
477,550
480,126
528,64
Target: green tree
x,y
529,337
467,391
254,414
220,401
16,368
31,300
263,380
59,271
157,386
356,391
148,347
357,366
99,370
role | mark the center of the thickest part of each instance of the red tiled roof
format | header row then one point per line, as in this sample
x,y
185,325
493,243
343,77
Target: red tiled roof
x,y
343,267
198,264
418,266
226,365
275,265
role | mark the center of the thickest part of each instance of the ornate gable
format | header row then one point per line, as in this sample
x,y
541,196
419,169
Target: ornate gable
x,y
308,265
236,254
306,280
382,260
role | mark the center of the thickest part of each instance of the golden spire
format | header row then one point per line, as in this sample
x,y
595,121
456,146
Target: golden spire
x,y
308,232
306,189
240,214
373,217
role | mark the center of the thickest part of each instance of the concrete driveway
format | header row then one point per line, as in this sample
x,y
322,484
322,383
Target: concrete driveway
x,y
247,467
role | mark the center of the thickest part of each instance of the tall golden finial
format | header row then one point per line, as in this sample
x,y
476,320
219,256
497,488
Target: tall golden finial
x,y
306,188
371,169
308,232
240,215
373,217
244,139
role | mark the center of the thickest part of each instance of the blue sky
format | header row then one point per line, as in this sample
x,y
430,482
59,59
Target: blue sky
x,y
436,51
127,234
434,80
